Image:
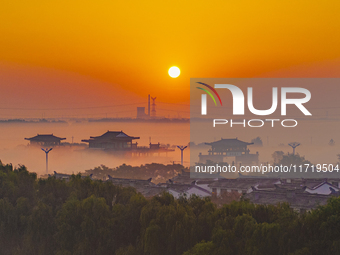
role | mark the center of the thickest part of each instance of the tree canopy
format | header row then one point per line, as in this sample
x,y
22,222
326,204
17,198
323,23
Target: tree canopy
x,y
84,216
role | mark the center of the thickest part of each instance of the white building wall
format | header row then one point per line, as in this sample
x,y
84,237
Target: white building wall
x,y
218,191
323,189
174,193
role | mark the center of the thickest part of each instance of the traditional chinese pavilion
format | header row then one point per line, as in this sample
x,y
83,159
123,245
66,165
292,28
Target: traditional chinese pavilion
x,y
229,148
45,140
116,140
120,142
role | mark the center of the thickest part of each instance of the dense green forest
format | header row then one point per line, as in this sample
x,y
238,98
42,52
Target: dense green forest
x,y
82,216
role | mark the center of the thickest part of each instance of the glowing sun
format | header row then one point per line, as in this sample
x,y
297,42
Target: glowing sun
x,y
174,72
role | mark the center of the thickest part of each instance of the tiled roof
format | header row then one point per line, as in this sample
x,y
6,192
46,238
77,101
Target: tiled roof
x,y
150,191
130,181
242,183
297,199
45,138
228,143
113,135
67,176
187,178
315,185
181,188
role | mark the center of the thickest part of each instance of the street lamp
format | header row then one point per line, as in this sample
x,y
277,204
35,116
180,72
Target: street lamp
x,y
294,145
46,152
182,148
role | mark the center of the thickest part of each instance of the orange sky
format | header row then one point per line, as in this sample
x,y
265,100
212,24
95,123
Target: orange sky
x,y
89,52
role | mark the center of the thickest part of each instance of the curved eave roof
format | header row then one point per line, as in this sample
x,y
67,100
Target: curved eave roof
x,y
113,135
44,138
229,142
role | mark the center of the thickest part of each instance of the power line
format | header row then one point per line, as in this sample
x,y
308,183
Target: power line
x,y
173,110
81,108
69,108
174,104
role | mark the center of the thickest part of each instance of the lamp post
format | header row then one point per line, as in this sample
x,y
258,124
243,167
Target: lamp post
x,y
46,152
182,148
294,145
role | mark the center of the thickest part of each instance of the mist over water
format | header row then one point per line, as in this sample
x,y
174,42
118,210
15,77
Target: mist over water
x,y
66,159
314,137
